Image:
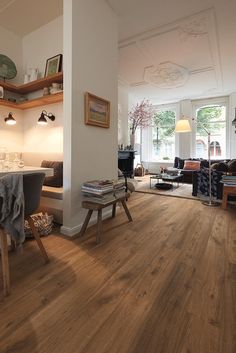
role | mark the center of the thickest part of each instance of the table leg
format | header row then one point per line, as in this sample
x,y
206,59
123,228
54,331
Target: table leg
x,y
224,200
126,210
99,226
86,221
5,263
114,210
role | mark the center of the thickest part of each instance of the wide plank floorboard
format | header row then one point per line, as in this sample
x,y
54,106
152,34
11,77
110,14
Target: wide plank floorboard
x,y
164,283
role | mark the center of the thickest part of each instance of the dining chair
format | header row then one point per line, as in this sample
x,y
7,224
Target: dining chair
x,y
32,187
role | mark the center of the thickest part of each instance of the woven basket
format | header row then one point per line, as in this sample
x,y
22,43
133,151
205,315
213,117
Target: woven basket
x,y
139,170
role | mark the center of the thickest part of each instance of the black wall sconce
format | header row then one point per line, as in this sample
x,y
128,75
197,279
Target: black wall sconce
x,y
42,119
234,121
9,120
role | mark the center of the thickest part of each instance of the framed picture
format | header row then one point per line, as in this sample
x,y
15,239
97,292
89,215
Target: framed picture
x,y
53,65
97,111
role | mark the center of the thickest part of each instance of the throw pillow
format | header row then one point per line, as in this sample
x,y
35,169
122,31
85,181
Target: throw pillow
x,y
232,166
191,165
57,179
220,167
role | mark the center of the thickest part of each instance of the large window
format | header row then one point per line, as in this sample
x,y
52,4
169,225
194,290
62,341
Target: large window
x,y
163,135
213,119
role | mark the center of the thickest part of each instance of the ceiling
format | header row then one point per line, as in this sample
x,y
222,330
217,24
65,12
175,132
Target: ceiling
x,y
168,50
24,16
173,52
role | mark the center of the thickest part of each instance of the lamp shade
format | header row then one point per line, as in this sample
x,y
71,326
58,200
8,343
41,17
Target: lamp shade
x,y
9,120
183,125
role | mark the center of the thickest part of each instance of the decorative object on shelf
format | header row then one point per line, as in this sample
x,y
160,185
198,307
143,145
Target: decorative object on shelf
x,y
9,120
53,65
234,121
56,87
42,119
7,68
46,91
26,78
97,111
140,116
183,125
33,74
1,92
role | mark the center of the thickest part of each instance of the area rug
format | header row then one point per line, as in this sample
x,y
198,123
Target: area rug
x,y
183,191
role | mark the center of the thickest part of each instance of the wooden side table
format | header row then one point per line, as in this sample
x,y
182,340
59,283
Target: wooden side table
x,y
97,206
227,190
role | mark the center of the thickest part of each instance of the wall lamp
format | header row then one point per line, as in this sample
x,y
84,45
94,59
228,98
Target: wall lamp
x,y
42,119
9,120
234,121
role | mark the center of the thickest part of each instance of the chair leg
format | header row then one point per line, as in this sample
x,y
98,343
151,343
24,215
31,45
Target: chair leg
x,y
38,240
5,263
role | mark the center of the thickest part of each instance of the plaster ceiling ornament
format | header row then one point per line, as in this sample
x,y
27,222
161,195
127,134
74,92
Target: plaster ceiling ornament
x,y
166,75
194,28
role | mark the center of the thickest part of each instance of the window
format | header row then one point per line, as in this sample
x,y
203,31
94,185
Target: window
x,y
163,135
213,119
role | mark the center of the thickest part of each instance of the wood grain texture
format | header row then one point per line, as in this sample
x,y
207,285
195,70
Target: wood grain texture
x,y
164,283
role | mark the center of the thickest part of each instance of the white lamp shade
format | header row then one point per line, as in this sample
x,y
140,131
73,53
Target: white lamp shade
x,y
183,126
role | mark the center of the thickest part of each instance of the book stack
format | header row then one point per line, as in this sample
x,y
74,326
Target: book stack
x,y
229,179
103,191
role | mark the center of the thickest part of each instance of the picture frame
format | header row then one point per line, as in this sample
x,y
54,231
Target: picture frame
x,y
97,111
53,65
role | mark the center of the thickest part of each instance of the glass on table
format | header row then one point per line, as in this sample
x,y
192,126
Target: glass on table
x,y
3,152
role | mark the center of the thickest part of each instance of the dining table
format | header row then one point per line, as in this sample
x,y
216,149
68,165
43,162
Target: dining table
x,y
27,170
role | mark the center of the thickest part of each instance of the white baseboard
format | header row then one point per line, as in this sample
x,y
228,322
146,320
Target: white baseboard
x,y
70,232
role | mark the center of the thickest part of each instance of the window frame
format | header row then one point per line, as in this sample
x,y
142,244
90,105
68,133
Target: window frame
x,y
147,134
198,104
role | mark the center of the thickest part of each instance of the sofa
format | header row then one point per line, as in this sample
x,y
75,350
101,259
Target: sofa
x,y
189,166
201,179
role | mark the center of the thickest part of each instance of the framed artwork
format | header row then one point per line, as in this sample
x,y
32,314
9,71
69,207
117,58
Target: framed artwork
x,y
53,65
97,111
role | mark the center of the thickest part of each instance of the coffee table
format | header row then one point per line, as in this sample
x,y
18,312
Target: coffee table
x,y
167,178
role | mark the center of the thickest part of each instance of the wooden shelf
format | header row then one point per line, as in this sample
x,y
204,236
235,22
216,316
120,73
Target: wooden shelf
x,y
34,85
44,100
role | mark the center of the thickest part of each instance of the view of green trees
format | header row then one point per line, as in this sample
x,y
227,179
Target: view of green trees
x,y
164,123
209,118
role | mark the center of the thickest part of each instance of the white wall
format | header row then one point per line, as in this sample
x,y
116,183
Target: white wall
x,y
123,111
43,138
11,46
232,129
45,42
90,64
11,136
33,51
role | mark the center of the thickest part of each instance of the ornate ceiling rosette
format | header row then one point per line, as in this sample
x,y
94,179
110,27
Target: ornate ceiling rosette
x,y
166,75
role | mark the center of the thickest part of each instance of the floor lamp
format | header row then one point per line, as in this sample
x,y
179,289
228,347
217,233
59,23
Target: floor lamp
x,y
183,125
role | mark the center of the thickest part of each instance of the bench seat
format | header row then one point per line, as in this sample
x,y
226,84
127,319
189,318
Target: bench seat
x,y
52,192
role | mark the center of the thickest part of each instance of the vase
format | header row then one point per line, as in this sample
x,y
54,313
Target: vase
x,y
132,140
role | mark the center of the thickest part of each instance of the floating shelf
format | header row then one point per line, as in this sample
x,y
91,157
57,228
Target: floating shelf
x,y
33,85
37,102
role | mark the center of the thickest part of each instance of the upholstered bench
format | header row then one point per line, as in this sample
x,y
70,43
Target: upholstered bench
x,y
52,202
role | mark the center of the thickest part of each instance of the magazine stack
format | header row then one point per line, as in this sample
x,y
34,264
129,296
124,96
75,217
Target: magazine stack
x,y
103,191
229,179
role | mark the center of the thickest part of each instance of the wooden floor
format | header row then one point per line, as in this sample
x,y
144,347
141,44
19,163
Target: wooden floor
x,y
165,283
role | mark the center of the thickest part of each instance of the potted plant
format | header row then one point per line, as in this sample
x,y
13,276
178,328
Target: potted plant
x,y
140,116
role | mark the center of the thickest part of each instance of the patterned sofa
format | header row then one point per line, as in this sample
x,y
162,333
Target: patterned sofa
x,y
189,174
201,179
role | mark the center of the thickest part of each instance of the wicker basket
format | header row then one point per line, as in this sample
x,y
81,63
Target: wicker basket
x,y
139,170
